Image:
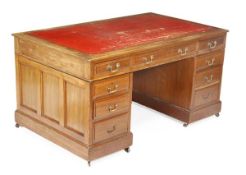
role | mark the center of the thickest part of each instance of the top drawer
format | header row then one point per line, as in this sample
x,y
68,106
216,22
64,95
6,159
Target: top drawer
x,y
211,44
181,50
116,66
164,55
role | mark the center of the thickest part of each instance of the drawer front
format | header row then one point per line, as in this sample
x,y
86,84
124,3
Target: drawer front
x,y
111,86
208,77
209,60
111,106
211,43
110,128
164,54
182,50
206,95
146,59
112,67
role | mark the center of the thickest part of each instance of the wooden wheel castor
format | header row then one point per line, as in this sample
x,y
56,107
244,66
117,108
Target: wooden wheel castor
x,y
127,150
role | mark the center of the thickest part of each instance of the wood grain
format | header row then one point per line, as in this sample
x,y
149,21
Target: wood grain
x,y
29,87
171,83
75,101
111,106
82,101
47,54
210,60
111,86
51,97
206,95
110,128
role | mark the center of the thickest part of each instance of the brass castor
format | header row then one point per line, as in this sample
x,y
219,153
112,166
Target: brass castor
x,y
127,150
17,125
217,114
185,124
89,163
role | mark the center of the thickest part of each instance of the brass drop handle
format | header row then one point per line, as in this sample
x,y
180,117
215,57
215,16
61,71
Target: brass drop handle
x,y
113,89
208,79
212,44
149,60
211,62
111,130
183,51
112,68
206,96
112,108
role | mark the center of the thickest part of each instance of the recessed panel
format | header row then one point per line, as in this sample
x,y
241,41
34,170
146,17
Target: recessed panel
x,y
29,90
75,107
51,97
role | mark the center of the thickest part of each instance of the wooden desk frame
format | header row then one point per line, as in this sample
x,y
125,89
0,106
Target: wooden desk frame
x,y
82,102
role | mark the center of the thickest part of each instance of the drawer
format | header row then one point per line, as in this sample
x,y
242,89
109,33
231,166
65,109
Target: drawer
x,y
111,127
211,43
111,106
208,77
182,50
164,54
111,86
209,60
112,67
206,95
146,59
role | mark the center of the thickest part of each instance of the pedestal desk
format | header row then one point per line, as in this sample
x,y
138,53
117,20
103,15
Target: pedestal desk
x,y
75,84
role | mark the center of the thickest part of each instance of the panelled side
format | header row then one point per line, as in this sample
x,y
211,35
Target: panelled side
x,y
54,98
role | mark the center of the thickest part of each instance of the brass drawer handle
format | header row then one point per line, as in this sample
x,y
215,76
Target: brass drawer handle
x,y
183,51
112,108
113,69
209,79
149,60
206,96
212,44
111,130
210,62
113,89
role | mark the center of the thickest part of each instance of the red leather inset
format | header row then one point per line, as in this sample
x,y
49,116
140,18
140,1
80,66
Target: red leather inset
x,y
108,35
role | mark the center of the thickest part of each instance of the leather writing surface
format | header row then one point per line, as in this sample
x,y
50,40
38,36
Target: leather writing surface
x,y
108,35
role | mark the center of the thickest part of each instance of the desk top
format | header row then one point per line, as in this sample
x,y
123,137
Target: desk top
x,y
118,33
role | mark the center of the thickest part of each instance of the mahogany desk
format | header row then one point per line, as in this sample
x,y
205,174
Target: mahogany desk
x,y
75,84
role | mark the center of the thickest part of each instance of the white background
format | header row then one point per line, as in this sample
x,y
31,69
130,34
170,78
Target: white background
x,y
161,144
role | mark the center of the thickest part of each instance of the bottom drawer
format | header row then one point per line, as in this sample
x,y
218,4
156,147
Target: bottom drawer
x,y
111,127
206,95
